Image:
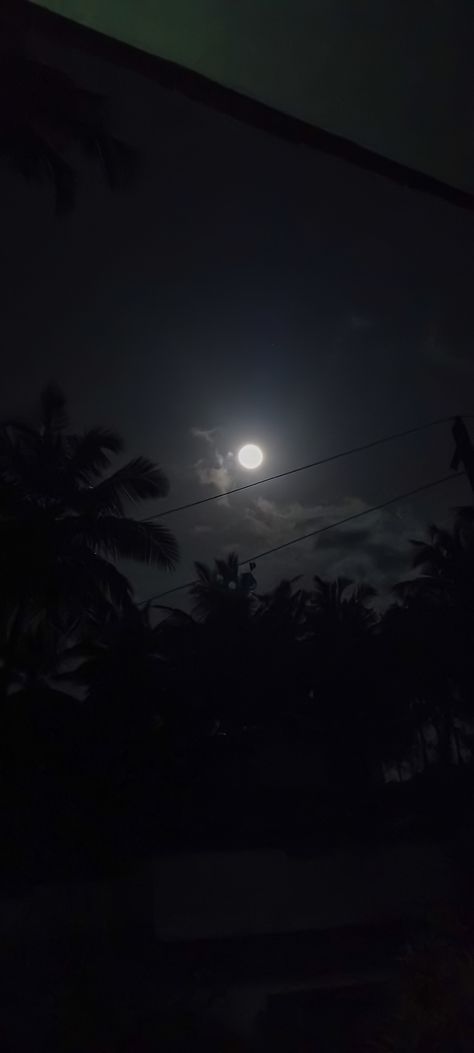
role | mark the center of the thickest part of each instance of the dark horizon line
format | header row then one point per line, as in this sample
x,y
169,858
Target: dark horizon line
x,y
232,103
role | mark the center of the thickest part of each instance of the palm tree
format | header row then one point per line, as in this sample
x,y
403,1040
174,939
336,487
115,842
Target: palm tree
x,y
342,604
446,565
438,607
44,117
279,680
340,653
124,676
63,523
221,593
404,712
45,658
122,660
227,654
284,608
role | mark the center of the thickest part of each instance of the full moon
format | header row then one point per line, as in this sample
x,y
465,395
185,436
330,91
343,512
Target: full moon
x,y
250,456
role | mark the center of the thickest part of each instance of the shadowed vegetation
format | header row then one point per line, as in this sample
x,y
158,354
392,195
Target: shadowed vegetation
x,y
255,712
47,122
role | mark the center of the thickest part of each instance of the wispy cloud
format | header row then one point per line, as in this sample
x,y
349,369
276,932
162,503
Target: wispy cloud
x,y
375,549
213,474
277,522
207,434
213,468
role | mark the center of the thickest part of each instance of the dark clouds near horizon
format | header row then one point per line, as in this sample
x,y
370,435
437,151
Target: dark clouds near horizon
x,y
247,290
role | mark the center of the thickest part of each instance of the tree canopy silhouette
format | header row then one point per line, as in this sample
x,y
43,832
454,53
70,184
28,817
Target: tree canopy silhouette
x,y
64,521
374,689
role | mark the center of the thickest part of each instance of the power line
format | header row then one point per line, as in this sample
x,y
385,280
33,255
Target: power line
x,y
320,530
300,468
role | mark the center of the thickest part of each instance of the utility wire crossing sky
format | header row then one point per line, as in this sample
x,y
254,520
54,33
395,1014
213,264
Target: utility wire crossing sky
x,y
320,530
304,467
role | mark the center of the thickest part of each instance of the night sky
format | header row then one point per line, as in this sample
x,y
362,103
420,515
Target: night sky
x,y
246,290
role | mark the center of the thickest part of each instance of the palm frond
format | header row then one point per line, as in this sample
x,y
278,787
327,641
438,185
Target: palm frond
x,y
203,572
330,592
19,462
228,568
43,114
17,424
139,480
62,525
123,538
363,593
88,453
342,584
424,586
82,589
283,592
430,557
103,575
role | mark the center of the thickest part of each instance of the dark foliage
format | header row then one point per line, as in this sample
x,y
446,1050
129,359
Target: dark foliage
x,y
273,712
46,119
64,522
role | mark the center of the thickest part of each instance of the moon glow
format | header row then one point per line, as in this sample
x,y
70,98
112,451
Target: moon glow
x,y
250,456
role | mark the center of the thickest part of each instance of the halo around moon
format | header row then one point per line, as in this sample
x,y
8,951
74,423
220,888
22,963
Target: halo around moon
x,y
250,456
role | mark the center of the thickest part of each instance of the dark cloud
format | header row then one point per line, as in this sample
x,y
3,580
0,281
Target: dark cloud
x,y
341,539
380,552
